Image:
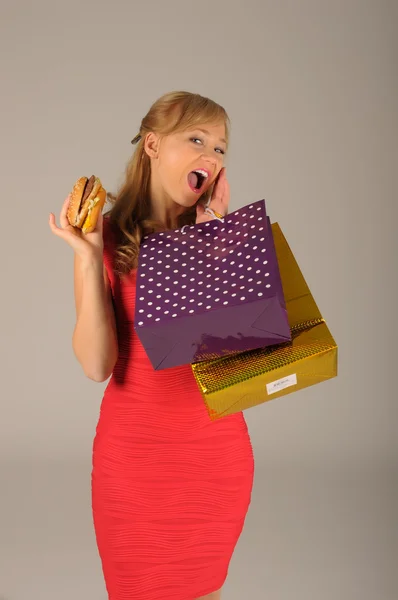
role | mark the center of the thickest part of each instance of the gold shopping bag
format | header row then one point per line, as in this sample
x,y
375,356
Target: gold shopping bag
x,y
234,383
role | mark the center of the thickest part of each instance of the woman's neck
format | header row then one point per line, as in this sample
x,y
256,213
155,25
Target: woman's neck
x,y
163,208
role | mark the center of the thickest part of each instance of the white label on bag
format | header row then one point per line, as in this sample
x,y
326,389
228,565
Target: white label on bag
x,y
281,384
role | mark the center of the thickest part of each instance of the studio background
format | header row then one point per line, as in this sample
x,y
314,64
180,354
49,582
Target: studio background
x,y
312,91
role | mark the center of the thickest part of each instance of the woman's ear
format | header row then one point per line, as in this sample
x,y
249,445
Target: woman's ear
x,y
151,144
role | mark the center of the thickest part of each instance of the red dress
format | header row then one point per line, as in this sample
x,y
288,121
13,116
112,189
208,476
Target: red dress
x,y
170,488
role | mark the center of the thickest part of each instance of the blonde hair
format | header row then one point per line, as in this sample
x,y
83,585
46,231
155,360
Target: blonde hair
x,y
131,208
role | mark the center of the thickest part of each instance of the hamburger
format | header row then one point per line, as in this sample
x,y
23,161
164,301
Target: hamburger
x,y
86,203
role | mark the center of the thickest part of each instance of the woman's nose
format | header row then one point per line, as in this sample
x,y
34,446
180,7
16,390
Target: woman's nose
x,y
210,158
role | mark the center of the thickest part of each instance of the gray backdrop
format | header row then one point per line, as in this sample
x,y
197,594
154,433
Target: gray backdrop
x,y
311,88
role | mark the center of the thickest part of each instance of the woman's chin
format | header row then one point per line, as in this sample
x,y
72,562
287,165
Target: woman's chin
x,y
187,200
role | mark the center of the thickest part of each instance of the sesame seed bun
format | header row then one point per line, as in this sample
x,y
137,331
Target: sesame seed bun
x,y
87,200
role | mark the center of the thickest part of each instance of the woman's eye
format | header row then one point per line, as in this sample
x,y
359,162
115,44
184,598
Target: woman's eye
x,y
199,141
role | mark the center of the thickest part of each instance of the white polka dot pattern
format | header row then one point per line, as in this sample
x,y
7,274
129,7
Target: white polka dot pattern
x,y
206,267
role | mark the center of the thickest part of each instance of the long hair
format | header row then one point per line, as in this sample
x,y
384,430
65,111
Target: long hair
x,y
131,206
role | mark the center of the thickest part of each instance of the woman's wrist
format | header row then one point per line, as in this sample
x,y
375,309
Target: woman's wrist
x,y
91,261
214,214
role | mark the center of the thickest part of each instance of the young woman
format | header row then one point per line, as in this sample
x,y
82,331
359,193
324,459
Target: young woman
x,y
170,488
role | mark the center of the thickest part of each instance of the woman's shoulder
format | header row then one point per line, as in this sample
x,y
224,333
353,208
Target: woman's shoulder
x,y
110,240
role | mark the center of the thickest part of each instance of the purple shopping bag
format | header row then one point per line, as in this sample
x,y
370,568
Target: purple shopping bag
x,y
210,290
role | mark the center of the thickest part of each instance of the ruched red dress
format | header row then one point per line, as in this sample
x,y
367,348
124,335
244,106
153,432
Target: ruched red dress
x,y
170,488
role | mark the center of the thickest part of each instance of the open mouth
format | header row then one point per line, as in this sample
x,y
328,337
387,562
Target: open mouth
x,y
197,180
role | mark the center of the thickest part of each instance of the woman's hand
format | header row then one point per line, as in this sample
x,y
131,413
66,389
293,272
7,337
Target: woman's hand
x,y
86,246
219,200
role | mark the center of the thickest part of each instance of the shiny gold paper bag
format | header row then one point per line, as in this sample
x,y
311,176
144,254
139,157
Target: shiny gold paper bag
x,y
234,383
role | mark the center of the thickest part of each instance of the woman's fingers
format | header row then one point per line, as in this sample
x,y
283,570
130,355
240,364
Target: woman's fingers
x,y
61,232
75,241
53,225
226,194
217,186
64,212
82,244
221,194
220,188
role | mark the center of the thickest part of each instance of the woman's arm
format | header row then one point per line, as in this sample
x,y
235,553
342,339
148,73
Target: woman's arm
x,y
94,338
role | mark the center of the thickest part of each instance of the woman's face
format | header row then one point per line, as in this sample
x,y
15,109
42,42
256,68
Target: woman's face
x,y
186,164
